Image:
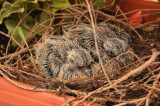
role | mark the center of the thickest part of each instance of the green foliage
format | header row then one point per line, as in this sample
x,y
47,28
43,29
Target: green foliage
x,y
42,18
9,9
99,3
26,26
13,11
59,3
20,31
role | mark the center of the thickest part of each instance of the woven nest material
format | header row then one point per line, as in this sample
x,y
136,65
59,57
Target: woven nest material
x,y
73,55
69,63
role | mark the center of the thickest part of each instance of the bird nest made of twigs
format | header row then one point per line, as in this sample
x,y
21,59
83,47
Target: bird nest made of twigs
x,y
130,76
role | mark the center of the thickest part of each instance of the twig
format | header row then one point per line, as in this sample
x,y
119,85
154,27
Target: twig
x,y
14,54
143,15
138,10
7,72
146,23
16,29
111,17
129,102
155,53
5,68
82,14
109,5
151,91
25,87
96,45
129,24
7,35
69,101
90,104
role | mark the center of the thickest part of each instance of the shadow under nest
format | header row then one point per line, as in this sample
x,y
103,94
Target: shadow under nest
x,y
135,87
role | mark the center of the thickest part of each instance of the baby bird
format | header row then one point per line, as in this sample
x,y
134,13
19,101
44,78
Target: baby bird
x,y
51,55
69,71
42,59
114,46
112,31
73,55
111,40
79,57
103,31
84,35
59,55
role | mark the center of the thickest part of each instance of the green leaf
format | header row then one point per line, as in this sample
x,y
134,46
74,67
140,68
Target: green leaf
x,y
23,2
42,17
100,3
9,9
28,4
59,3
11,25
28,22
19,6
22,35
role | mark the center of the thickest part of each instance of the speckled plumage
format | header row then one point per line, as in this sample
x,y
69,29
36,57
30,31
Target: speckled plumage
x,y
79,57
69,71
73,55
111,39
115,46
58,54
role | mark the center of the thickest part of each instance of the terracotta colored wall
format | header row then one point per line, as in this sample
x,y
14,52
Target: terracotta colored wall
x,y
130,5
11,95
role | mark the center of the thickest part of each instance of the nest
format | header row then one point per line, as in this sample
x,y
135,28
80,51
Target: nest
x,y
135,83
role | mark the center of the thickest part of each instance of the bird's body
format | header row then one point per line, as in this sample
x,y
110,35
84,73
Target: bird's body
x,y
79,57
58,54
111,39
74,55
